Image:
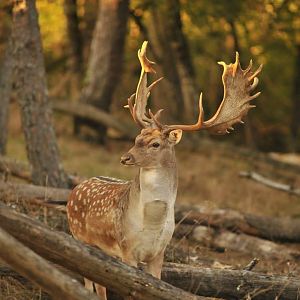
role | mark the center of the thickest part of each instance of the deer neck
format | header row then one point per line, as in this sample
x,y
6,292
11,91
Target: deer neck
x,y
158,183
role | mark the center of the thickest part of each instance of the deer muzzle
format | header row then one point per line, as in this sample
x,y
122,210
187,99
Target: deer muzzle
x,y
127,159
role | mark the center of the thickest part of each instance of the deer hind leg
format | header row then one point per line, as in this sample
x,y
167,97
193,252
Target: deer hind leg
x,y
131,261
155,265
89,284
101,291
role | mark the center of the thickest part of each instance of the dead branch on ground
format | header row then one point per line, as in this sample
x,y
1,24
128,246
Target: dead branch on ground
x,y
223,239
271,228
21,170
271,183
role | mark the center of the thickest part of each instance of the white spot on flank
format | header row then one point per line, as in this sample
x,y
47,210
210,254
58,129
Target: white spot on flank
x,y
76,208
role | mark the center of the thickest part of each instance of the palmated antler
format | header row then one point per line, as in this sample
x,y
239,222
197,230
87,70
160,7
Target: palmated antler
x,y
140,97
238,84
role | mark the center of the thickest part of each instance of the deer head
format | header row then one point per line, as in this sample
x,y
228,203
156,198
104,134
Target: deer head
x,y
156,140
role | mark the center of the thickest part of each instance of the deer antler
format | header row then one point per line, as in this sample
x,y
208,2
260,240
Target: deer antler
x,y
140,97
238,84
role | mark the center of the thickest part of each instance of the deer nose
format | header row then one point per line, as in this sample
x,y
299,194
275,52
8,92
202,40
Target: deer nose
x,y
127,159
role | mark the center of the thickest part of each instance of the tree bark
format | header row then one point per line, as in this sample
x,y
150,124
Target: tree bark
x,y
95,265
31,89
106,57
90,262
74,34
6,81
36,268
295,122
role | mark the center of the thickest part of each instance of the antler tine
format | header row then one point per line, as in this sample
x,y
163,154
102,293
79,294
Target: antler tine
x,y
138,109
198,125
130,104
253,76
156,117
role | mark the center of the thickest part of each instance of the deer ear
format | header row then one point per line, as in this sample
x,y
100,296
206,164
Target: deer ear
x,y
175,136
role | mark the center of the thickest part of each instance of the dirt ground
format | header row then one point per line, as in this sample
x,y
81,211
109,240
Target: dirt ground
x,y
208,175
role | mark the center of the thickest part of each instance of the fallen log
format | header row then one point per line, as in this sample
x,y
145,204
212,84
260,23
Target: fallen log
x,y
224,239
271,183
89,112
271,228
91,263
36,268
232,284
15,168
21,170
30,191
95,265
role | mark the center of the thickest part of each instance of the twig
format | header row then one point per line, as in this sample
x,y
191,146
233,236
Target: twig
x,y
270,183
251,264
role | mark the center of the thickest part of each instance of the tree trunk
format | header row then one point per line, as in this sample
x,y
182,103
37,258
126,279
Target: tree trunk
x,y
106,57
32,94
75,39
182,57
5,93
169,42
40,271
295,123
76,46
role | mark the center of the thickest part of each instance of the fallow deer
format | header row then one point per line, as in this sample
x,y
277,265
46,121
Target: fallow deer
x,y
134,220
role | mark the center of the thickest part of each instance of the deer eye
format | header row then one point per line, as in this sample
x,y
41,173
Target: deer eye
x,y
155,145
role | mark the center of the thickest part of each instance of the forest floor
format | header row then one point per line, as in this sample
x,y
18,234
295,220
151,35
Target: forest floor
x,y
208,176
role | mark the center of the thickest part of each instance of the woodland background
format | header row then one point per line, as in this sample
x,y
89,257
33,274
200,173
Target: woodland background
x,y
67,68
187,38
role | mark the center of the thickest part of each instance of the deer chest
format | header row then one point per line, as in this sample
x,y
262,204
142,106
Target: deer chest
x,y
151,230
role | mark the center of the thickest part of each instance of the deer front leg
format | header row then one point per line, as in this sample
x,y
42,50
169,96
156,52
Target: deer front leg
x,y
154,266
101,291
